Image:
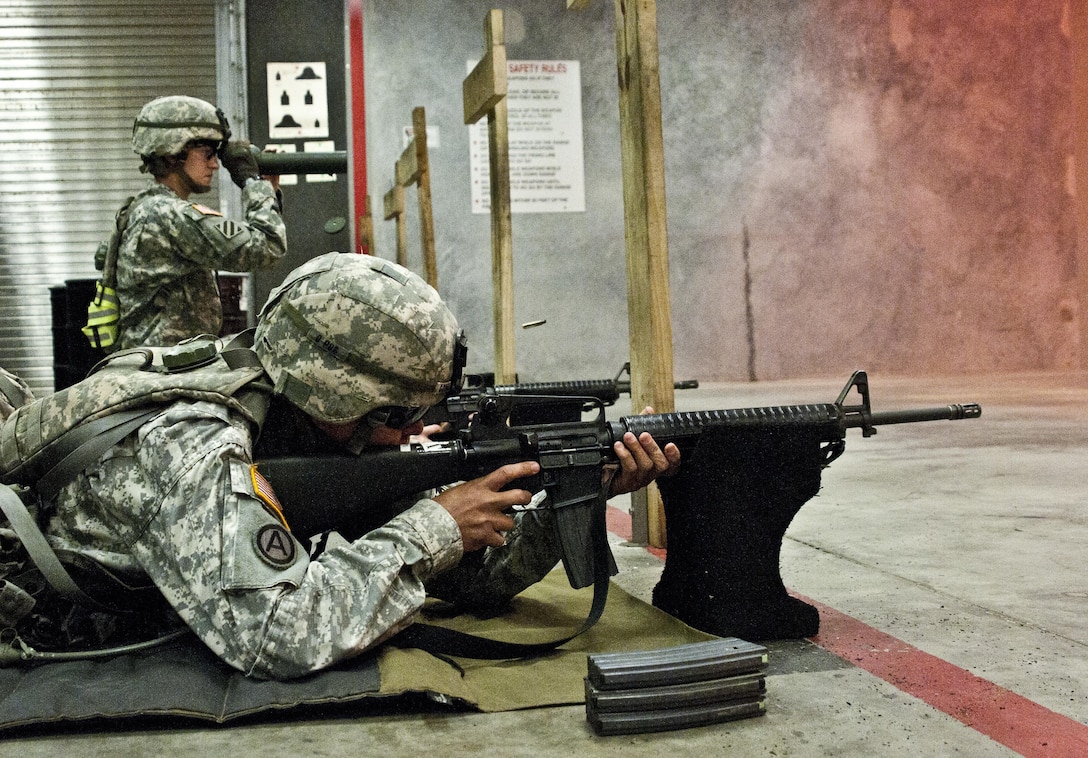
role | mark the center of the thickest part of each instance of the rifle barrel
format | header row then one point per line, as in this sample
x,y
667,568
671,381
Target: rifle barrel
x,y
602,389
685,428
303,163
953,412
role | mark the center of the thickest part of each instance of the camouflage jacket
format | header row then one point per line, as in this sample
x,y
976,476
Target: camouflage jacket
x,y
179,502
168,256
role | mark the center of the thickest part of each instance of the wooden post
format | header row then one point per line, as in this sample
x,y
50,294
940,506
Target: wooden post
x,y
393,205
413,167
484,94
649,310
366,229
423,193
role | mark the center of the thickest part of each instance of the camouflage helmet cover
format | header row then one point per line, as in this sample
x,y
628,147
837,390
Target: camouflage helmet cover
x,y
347,333
167,124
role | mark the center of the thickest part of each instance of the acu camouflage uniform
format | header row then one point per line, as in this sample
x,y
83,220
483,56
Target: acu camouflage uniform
x,y
180,502
171,247
170,251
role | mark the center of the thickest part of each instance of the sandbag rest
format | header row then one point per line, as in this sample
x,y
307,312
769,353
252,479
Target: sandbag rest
x,y
726,513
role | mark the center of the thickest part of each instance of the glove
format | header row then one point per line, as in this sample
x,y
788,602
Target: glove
x,y
240,159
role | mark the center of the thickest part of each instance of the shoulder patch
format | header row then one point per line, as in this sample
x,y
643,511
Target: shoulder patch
x,y
263,490
276,546
206,210
228,228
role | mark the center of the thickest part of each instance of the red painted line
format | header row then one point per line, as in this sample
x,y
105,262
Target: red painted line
x,y
1000,714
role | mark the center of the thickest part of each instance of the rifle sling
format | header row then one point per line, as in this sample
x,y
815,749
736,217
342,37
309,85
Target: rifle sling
x,y
439,640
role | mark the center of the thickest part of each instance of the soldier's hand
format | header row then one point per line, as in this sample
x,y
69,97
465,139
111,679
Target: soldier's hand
x,y
241,161
479,506
273,179
641,460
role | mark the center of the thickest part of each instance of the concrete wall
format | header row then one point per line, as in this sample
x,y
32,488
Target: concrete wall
x,y
893,175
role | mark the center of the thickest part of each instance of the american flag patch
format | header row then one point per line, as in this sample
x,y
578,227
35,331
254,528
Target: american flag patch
x,y
206,210
264,493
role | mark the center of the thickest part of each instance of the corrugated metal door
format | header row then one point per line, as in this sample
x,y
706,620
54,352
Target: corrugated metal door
x,y
73,75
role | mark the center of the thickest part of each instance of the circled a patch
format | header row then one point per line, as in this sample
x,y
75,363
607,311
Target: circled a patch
x,y
276,546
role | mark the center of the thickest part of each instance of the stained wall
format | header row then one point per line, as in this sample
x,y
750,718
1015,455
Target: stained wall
x,y
879,184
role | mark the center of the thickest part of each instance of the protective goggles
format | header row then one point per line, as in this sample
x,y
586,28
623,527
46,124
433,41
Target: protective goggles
x,y
395,416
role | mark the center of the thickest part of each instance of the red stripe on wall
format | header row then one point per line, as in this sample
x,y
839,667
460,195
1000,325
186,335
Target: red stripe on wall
x,y
1000,714
358,112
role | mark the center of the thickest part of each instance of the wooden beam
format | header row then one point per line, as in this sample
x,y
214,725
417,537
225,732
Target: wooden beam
x,y
406,169
642,149
366,229
1078,14
484,93
423,191
393,205
486,85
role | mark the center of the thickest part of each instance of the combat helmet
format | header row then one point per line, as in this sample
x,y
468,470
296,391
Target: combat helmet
x,y
346,334
167,124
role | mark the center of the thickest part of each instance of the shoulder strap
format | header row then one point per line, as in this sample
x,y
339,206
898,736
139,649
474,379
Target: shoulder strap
x,y
40,551
85,444
109,270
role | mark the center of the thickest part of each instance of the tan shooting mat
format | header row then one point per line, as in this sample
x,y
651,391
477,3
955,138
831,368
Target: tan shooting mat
x,y
185,680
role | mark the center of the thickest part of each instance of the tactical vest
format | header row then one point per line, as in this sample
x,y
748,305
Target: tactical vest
x,y
45,443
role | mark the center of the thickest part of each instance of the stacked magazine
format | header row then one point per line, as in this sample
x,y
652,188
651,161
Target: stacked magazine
x,y
677,687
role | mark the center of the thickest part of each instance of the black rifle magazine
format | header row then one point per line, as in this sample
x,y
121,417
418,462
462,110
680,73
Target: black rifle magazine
x,y
675,688
738,687
696,662
605,723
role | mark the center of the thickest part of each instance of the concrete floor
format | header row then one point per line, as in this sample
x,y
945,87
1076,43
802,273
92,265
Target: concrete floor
x,y
948,560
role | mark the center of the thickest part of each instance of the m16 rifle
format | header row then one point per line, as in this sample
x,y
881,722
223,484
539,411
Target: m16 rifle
x,y
276,163
356,494
335,162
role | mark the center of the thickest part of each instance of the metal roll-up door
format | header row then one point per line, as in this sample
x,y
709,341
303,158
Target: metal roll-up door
x,y
73,75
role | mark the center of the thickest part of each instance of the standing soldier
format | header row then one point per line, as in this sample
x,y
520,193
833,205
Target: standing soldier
x,y
170,247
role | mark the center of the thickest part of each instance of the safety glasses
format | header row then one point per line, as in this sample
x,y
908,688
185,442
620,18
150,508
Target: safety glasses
x,y
395,416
